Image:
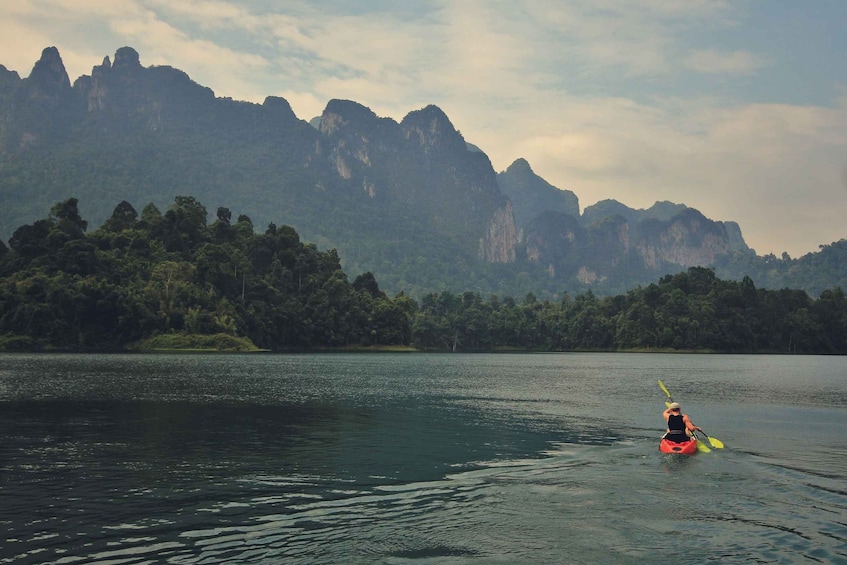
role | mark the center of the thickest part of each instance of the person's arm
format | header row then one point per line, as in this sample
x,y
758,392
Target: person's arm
x,y
690,425
666,414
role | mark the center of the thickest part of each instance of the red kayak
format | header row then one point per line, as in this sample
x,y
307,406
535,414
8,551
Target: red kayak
x,y
686,447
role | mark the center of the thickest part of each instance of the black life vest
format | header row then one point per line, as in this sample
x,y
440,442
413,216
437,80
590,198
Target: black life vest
x,y
676,423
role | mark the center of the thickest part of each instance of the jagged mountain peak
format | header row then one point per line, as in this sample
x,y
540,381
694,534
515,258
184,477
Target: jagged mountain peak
x,y
340,115
126,58
279,108
532,195
349,109
400,199
430,116
49,74
427,113
430,126
607,206
665,210
36,108
520,165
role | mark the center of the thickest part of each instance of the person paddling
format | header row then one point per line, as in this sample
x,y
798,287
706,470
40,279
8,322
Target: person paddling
x,y
680,425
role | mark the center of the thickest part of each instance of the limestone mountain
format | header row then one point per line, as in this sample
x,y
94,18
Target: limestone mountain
x,y
411,201
610,241
531,195
421,166
393,198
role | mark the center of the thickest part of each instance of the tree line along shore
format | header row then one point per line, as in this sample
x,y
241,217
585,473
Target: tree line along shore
x,y
173,281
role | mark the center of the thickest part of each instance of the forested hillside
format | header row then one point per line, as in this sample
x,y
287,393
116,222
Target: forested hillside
x,y
152,280
406,200
410,201
688,311
813,272
135,278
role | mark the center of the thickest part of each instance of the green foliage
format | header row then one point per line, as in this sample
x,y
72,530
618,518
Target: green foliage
x,y
814,272
173,282
689,311
17,343
197,342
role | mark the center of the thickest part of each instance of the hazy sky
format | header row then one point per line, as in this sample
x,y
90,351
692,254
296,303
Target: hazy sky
x,y
737,108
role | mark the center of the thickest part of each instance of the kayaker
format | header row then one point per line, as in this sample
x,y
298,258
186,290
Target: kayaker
x,y
680,426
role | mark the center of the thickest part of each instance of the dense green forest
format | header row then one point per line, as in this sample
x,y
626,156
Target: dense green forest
x,y
137,278
688,311
157,280
813,272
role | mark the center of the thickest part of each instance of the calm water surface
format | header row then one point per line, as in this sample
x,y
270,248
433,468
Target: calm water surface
x,y
419,459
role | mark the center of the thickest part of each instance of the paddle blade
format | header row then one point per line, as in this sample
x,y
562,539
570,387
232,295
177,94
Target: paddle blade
x,y
702,447
664,388
714,442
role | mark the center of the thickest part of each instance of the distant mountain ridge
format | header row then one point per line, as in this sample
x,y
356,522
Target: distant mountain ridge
x,y
411,201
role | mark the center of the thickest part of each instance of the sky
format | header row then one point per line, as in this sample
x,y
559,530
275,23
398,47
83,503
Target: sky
x,y
737,108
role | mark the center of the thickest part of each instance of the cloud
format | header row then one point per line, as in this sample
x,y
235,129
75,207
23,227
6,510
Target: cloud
x,y
210,13
630,38
717,62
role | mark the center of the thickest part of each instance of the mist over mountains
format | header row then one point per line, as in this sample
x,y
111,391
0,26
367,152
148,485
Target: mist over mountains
x,y
410,201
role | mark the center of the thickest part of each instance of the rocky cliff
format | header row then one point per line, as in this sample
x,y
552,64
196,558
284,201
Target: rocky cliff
x,y
611,241
531,195
421,164
411,201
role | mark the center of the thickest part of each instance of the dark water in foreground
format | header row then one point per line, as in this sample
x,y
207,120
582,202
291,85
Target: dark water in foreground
x,y
419,459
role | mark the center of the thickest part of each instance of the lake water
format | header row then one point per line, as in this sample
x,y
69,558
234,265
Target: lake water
x,y
413,458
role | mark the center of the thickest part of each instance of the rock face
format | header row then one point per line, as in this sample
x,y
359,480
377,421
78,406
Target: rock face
x,y
413,201
532,195
689,239
49,77
422,165
38,107
498,243
611,241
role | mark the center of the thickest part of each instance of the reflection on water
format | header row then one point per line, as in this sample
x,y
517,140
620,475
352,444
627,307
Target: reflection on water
x,y
401,458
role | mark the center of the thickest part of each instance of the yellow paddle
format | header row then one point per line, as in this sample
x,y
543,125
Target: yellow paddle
x,y
713,441
700,445
665,389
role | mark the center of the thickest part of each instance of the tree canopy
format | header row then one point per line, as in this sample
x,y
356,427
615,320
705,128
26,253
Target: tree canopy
x,y
688,311
134,278
140,277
